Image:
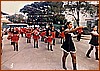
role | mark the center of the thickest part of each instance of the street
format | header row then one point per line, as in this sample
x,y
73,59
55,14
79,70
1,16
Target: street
x,y
29,58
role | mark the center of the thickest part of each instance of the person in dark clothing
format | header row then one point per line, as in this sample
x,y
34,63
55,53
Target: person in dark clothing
x,y
47,30
94,43
68,45
1,43
28,35
21,31
53,35
79,32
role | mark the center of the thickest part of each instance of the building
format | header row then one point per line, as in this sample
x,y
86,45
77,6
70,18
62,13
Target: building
x,y
86,20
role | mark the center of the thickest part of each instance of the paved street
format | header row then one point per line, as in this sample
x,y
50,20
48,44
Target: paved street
x,y
29,58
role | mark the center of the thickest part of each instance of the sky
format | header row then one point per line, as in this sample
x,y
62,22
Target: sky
x,y
12,7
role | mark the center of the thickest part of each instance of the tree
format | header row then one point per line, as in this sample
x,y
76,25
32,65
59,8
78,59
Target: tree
x,y
52,11
58,9
16,18
80,6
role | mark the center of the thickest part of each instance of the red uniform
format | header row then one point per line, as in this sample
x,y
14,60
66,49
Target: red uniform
x,y
22,30
43,34
80,31
17,30
28,35
62,34
49,39
53,34
36,35
15,37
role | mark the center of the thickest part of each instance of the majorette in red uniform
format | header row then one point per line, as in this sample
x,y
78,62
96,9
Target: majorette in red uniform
x,y
43,34
28,35
36,37
14,39
62,35
49,40
21,31
17,29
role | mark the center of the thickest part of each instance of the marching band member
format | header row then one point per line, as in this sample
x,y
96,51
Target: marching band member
x,y
53,34
21,31
62,35
35,37
49,37
28,35
43,34
49,40
14,39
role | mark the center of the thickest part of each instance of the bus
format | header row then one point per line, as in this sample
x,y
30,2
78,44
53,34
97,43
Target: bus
x,y
17,25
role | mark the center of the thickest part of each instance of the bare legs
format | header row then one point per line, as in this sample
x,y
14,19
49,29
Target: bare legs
x,y
73,55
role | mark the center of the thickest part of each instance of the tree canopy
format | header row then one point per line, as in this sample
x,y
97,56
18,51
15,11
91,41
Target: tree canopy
x,y
16,18
45,8
56,9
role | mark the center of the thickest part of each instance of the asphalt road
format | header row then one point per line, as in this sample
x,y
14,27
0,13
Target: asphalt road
x,y
29,58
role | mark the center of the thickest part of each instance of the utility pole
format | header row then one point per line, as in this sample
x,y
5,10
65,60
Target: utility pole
x,y
78,9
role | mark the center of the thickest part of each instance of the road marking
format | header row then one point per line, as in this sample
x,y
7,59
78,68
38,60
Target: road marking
x,y
12,65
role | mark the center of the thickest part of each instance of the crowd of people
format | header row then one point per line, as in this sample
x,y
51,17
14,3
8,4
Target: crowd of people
x,y
48,35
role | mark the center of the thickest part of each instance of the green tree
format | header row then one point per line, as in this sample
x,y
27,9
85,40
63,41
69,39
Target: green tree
x,y
16,18
44,8
58,9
